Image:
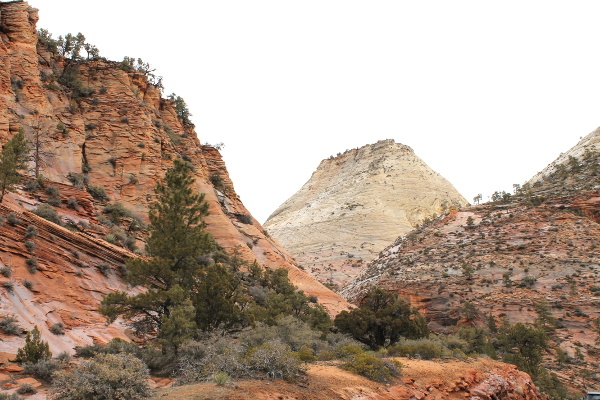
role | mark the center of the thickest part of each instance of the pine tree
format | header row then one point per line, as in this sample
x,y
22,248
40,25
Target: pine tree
x,y
177,239
12,160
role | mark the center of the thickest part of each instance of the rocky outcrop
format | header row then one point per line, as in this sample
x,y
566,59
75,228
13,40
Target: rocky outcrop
x,y
93,124
357,203
432,380
504,258
589,142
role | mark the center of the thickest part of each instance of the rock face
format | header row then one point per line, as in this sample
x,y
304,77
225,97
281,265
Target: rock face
x,y
94,124
355,204
505,257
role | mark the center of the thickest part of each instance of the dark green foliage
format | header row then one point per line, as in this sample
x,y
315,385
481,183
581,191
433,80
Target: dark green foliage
x,y
47,212
181,108
220,299
523,346
30,246
176,240
98,193
549,384
382,320
243,218
217,181
12,159
35,349
544,320
105,377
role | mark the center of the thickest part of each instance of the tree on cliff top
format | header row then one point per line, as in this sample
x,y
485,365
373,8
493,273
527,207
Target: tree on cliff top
x,y
177,239
12,160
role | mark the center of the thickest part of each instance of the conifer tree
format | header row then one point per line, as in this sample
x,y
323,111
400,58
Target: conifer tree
x,y
12,160
35,348
382,320
177,238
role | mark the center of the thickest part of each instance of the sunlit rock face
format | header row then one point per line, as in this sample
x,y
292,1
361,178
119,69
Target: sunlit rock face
x,y
356,204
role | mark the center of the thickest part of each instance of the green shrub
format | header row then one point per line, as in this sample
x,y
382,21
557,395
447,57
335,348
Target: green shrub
x,y
6,272
35,349
29,245
47,212
104,268
98,193
31,232
54,201
105,377
221,378
10,326
52,191
115,346
27,284
78,180
370,367
9,286
32,186
72,203
12,219
32,265
26,388
43,369
58,328
306,354
274,360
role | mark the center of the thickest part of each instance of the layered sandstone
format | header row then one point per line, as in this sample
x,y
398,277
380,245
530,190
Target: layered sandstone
x,y
357,203
121,137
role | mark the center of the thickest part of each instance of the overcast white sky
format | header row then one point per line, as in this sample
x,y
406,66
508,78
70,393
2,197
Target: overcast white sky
x,y
486,93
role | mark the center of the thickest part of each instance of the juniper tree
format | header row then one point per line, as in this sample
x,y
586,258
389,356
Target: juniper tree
x,y
382,320
176,240
12,160
35,348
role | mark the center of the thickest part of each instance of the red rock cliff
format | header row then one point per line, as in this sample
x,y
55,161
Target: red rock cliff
x,y
121,137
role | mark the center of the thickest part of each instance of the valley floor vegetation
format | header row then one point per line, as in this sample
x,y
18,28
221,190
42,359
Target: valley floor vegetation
x,y
205,315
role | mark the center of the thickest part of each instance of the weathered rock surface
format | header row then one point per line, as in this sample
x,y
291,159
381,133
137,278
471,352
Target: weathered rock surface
x,y
357,203
121,137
